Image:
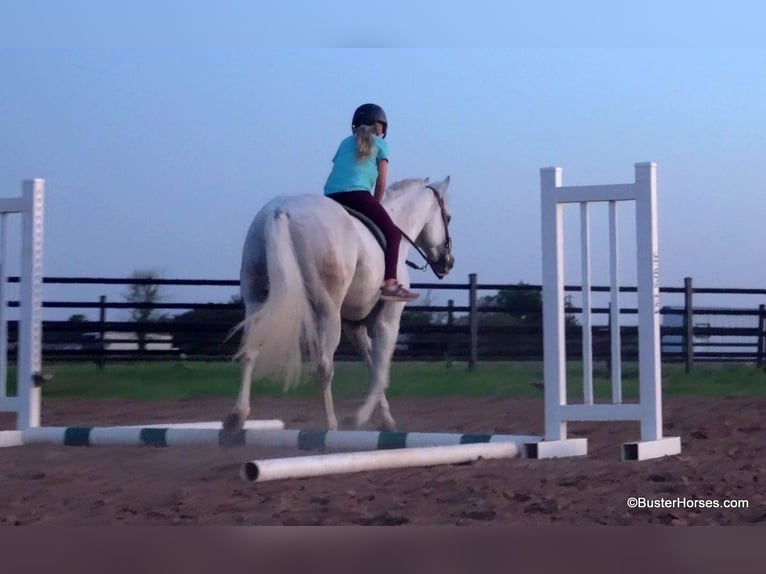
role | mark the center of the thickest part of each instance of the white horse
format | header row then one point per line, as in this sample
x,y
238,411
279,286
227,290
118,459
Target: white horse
x,y
310,270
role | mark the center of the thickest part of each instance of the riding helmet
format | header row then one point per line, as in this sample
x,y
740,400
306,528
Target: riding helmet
x,y
367,115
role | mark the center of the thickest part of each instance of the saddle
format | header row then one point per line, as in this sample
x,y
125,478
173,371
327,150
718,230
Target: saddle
x,y
374,229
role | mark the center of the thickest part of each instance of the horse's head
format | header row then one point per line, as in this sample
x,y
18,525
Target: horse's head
x,y
434,239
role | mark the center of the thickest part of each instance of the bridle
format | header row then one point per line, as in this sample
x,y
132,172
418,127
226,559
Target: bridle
x,y
447,239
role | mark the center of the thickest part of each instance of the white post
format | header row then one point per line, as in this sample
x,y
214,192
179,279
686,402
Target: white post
x,y
649,358
30,317
554,343
585,289
614,305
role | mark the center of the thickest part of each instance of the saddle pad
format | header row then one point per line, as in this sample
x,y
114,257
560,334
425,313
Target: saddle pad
x,y
374,229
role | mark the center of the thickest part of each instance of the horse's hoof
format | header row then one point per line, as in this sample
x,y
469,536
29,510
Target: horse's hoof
x,y
233,423
231,430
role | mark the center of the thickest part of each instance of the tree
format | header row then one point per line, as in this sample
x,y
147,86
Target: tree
x,y
69,334
421,332
206,330
144,293
522,306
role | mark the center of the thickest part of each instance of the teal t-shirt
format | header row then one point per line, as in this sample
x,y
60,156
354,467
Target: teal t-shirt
x,y
349,174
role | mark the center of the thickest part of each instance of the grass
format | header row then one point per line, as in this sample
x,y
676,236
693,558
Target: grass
x,y
187,380
726,379
180,380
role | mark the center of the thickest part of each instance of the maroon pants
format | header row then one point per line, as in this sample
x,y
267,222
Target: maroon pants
x,y
365,203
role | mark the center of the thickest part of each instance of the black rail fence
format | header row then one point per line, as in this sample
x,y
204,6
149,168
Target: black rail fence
x,y
477,330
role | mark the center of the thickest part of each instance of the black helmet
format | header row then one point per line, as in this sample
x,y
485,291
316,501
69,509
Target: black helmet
x,y
367,115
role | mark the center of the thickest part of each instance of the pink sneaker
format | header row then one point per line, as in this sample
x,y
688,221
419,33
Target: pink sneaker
x,y
397,293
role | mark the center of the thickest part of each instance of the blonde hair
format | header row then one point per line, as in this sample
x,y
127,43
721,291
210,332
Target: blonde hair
x,y
365,145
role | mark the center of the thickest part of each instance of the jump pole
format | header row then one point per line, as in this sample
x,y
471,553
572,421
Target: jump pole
x,y
263,434
348,462
648,410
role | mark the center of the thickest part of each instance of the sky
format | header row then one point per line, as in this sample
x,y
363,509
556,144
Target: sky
x,y
161,128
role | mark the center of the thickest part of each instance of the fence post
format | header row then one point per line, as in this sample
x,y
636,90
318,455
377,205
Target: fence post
x,y
450,334
3,307
101,331
688,324
473,321
761,333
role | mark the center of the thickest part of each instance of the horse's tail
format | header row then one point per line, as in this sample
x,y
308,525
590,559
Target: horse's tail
x,y
281,332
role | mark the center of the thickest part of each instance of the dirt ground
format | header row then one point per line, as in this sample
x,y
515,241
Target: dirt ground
x,y
723,458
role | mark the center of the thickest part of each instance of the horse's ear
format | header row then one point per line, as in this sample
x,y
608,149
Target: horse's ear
x,y
444,185
426,180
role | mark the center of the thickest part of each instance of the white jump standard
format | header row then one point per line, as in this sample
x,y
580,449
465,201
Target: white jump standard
x,y
648,410
26,404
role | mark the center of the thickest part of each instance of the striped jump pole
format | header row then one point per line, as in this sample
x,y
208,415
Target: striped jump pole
x,y
163,434
302,440
251,424
348,462
312,440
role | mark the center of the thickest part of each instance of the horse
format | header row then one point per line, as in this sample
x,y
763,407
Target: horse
x,y
311,271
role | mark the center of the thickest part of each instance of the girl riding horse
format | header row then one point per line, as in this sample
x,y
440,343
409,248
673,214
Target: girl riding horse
x,y
360,166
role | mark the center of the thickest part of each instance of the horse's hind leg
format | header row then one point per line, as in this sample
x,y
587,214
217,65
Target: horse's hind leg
x,y
234,422
254,286
330,330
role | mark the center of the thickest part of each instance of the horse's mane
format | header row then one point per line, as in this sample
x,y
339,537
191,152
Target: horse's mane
x,y
398,186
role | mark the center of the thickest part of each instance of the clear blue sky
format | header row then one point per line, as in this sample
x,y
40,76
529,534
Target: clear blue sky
x,y
161,128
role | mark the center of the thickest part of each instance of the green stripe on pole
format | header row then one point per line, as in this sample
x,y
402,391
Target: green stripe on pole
x,y
311,440
474,438
154,437
387,440
77,436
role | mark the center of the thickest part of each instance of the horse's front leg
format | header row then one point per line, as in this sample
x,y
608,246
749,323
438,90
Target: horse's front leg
x,y
389,423
384,342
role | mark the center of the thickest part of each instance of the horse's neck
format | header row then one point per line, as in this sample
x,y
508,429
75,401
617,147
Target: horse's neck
x,y
408,210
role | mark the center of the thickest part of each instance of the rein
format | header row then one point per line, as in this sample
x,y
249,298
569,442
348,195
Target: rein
x,y
447,241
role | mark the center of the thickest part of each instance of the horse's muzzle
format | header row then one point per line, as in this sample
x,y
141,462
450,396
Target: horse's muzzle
x,y
444,265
